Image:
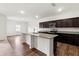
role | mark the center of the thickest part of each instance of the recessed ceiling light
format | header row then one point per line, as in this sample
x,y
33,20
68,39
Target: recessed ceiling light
x,y
59,9
22,12
36,17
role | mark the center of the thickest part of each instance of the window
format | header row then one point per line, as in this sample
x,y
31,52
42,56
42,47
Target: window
x,y
18,28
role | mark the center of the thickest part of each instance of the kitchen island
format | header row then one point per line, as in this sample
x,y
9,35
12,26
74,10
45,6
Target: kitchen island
x,y
42,42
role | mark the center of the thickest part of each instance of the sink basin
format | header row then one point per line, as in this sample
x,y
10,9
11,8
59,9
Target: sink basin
x,y
52,32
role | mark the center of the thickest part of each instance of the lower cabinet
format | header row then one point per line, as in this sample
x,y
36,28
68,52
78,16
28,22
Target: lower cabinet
x,y
64,49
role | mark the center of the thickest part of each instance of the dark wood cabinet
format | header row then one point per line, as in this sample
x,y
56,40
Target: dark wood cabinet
x,y
64,49
62,23
43,25
48,24
52,24
66,45
75,22
68,23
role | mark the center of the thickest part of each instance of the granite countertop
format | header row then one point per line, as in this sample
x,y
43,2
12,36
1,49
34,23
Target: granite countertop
x,y
62,32
43,35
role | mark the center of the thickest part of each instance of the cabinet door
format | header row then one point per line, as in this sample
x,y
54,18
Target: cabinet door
x,y
75,22
41,25
52,24
60,23
45,25
64,23
64,49
68,23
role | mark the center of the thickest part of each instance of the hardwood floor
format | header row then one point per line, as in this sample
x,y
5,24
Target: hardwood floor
x,y
16,46
35,52
6,49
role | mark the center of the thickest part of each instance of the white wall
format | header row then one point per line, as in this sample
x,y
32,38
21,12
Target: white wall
x,y
3,20
11,27
33,24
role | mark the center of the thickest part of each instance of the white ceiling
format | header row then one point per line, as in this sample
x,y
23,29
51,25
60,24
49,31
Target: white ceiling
x,y
35,9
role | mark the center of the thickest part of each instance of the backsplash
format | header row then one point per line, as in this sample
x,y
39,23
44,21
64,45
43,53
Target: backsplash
x,y
68,29
60,29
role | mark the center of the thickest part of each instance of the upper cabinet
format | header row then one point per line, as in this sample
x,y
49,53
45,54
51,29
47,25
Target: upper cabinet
x,y
62,23
48,24
75,22
44,25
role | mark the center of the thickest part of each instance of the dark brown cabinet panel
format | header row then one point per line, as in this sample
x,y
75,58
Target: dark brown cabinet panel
x,y
64,23
41,25
44,25
75,22
49,24
69,22
60,23
52,24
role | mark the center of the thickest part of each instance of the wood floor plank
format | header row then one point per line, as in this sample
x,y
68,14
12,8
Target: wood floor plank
x,y
14,46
